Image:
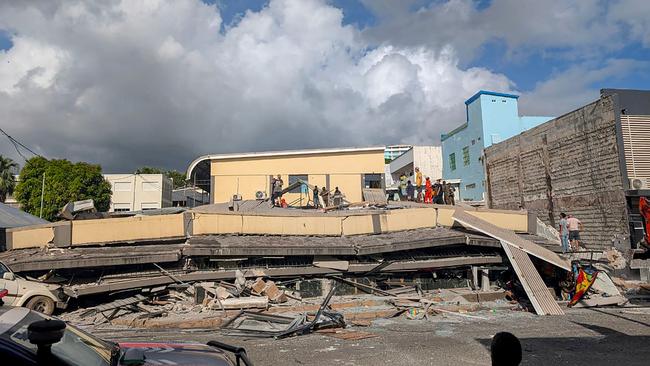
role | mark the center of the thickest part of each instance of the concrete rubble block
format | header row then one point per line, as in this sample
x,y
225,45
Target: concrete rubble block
x,y
222,293
274,294
240,303
240,280
258,286
615,258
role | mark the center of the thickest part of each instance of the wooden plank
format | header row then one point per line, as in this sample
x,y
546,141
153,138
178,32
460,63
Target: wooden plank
x,y
532,282
510,238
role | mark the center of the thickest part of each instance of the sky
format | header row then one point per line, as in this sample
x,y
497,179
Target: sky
x,y
131,83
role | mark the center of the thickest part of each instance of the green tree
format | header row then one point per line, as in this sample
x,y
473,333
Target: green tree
x,y
177,177
7,181
64,182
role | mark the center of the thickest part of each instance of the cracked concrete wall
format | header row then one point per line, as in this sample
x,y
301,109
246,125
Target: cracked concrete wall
x,y
569,164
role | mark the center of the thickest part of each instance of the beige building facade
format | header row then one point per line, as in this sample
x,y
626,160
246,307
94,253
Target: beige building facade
x,y
249,175
135,192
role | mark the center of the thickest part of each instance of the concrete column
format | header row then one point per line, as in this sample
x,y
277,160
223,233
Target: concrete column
x,y
485,280
326,286
474,277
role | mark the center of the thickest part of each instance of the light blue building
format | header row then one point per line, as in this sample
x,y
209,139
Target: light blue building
x,y
491,118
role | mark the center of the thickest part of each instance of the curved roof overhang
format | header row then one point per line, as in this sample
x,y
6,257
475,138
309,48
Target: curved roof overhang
x,y
196,166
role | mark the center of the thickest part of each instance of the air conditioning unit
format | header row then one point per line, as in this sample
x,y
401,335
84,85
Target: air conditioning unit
x,y
260,195
639,183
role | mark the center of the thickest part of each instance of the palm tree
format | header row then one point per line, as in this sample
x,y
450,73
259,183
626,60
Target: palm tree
x,y
7,182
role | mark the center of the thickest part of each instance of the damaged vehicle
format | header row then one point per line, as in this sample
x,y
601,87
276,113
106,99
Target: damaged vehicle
x,y
35,339
33,295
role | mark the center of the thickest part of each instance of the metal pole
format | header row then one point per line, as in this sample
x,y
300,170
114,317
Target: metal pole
x,y
42,194
135,182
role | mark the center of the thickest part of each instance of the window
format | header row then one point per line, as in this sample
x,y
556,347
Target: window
x,y
3,270
121,207
302,188
473,142
452,161
122,186
372,180
150,186
150,206
470,186
466,155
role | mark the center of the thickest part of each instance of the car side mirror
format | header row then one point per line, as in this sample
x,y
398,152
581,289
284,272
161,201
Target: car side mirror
x,y
9,276
133,357
45,333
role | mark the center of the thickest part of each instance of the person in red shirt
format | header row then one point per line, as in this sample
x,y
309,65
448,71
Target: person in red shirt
x,y
428,191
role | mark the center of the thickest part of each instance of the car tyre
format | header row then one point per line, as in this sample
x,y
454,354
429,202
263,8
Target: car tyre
x,y
41,304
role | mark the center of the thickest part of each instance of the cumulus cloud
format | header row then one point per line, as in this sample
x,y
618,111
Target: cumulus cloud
x,y
574,87
570,29
126,83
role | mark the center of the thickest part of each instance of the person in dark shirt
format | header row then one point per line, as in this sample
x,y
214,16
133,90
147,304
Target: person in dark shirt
x,y
316,200
410,191
438,190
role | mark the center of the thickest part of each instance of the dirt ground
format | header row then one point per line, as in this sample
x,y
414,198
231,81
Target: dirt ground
x,y
614,336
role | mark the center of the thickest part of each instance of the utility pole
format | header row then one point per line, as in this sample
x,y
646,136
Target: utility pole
x,y
42,194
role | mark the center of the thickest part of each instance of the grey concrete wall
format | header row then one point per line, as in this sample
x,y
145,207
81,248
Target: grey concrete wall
x,y
569,164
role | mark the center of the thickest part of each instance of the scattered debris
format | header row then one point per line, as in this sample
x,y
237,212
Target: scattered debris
x,y
268,325
346,334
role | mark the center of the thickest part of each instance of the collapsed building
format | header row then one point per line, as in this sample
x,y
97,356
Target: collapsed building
x,y
97,260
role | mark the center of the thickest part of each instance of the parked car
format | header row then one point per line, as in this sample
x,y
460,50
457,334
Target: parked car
x,y
30,294
31,338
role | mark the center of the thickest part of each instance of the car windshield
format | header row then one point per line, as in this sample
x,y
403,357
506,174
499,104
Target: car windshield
x,y
75,348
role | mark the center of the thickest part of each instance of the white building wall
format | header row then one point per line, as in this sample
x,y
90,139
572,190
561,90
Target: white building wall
x,y
134,192
429,160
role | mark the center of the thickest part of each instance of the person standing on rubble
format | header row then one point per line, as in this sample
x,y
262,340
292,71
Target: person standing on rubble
x,y
410,191
575,226
402,187
277,190
418,183
316,201
438,192
452,193
564,232
326,197
446,191
428,191
337,197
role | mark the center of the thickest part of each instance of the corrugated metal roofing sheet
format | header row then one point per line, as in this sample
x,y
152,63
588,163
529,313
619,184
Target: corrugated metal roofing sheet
x,y
517,250
13,217
511,238
538,294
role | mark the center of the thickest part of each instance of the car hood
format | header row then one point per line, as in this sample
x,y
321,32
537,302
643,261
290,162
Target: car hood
x,y
194,354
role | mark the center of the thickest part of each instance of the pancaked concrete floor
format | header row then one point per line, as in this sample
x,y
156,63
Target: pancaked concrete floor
x,y
606,336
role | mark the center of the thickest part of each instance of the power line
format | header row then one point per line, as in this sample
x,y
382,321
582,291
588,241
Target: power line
x,y
17,143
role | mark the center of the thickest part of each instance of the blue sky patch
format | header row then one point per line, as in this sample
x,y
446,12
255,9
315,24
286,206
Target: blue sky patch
x,y
5,40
